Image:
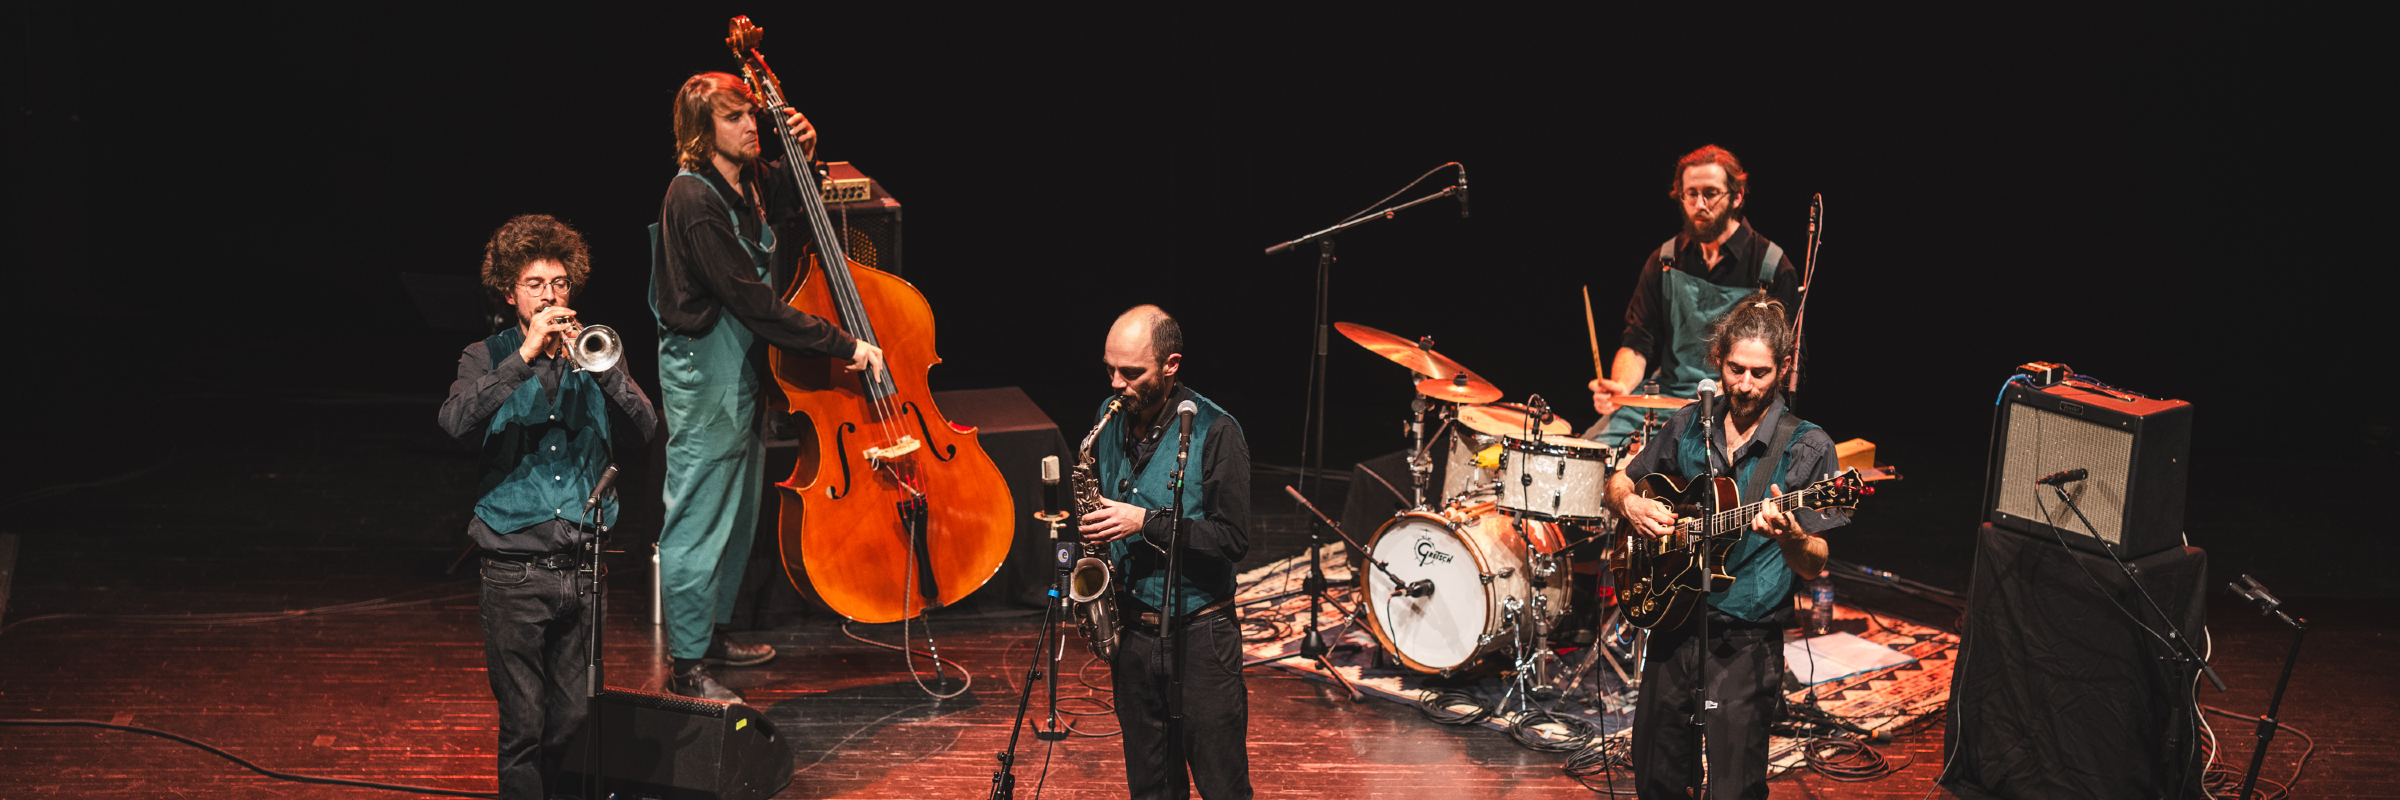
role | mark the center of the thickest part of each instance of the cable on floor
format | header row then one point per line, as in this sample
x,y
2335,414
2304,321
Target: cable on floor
x,y
244,763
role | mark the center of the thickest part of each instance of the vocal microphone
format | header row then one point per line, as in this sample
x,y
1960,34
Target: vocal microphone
x,y
1462,191
1184,412
1708,399
608,480
2064,477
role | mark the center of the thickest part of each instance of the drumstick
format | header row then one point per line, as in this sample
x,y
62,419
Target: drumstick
x,y
1593,329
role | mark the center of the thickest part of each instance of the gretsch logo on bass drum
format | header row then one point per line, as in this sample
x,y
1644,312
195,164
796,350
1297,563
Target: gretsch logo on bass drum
x,y
1427,553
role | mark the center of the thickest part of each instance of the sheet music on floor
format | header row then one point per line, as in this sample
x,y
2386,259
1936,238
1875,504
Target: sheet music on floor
x,y
1833,657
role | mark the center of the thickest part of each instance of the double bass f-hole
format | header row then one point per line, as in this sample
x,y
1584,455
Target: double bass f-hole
x,y
925,434
841,453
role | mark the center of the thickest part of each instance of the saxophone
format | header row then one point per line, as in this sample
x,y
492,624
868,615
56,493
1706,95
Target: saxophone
x,y
1090,584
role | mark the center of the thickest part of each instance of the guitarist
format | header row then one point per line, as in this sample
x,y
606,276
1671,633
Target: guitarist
x,y
1757,441
715,301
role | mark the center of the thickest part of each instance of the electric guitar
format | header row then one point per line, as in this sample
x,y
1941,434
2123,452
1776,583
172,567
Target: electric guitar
x,y
1659,578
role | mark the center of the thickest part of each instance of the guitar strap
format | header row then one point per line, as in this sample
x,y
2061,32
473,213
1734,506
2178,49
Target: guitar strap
x,y
1763,475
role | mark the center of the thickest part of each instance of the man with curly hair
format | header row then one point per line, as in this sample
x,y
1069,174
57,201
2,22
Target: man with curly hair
x,y
715,289
544,431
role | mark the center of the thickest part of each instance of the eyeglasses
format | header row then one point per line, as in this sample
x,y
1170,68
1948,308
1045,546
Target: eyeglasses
x,y
534,286
1707,195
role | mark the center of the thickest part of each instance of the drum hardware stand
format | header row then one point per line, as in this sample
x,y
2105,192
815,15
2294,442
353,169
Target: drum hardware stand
x,y
1420,464
2249,588
1051,641
1312,427
1316,586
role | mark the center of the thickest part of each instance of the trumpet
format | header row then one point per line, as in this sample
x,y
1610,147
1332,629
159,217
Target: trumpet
x,y
593,349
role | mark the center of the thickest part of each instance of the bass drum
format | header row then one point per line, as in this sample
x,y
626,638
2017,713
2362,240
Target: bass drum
x,y
1482,586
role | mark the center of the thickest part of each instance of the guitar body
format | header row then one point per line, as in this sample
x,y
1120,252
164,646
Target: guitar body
x,y
848,528
1658,578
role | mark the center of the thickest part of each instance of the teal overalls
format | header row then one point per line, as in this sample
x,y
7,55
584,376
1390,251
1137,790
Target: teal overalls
x,y
1693,303
716,462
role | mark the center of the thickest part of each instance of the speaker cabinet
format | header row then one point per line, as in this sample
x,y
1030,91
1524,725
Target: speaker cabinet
x,y
667,747
2138,451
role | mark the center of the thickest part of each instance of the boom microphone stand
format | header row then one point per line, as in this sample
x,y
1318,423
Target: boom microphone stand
x,y
1312,427
2256,592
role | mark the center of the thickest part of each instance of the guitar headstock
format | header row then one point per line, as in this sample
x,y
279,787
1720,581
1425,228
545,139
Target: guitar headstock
x,y
1843,490
743,36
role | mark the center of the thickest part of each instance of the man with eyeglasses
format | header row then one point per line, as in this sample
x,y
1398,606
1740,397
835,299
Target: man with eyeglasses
x,y
544,431
715,276
1685,285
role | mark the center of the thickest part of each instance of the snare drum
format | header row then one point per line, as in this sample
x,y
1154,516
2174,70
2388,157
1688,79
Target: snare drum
x,y
1557,479
1482,588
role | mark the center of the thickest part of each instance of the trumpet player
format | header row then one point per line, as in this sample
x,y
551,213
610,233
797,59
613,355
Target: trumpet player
x,y
543,426
1134,458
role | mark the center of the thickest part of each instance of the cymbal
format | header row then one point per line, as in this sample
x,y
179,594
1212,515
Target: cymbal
x,y
1461,388
1650,401
1402,351
1506,419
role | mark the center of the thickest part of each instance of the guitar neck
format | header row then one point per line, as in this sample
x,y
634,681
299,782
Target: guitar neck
x,y
1742,514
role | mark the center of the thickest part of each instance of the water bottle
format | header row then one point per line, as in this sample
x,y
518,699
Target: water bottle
x,y
1821,604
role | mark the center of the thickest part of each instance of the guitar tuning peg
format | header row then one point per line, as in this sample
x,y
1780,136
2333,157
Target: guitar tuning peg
x,y
1868,491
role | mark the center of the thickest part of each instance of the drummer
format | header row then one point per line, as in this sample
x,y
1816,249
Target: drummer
x,y
1685,285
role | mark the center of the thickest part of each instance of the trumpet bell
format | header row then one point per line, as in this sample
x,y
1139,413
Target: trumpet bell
x,y
596,349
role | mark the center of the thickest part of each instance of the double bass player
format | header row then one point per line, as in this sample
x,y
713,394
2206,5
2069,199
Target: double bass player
x,y
711,291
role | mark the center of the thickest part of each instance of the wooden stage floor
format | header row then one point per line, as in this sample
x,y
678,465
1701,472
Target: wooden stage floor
x,y
398,695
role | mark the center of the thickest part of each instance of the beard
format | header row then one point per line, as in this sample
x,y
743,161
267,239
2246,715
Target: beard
x,y
1146,396
1745,406
1709,231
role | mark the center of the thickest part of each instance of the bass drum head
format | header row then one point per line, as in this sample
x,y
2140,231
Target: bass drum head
x,y
1428,634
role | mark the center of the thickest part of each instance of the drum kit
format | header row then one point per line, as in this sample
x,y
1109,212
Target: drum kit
x,y
1479,577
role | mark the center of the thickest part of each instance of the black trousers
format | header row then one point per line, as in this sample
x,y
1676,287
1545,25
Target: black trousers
x,y
1745,676
534,635
1216,714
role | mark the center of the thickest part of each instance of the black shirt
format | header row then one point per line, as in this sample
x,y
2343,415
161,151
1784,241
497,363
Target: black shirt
x,y
1813,458
1646,326
703,270
481,389
1223,531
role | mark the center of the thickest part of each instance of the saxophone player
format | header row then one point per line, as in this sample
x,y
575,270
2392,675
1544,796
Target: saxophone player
x,y
1208,748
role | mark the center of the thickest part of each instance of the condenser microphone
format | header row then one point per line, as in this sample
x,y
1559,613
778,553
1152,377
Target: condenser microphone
x,y
2064,477
1050,500
608,480
1462,191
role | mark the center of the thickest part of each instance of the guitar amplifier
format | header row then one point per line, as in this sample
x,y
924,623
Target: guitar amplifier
x,y
867,216
2137,451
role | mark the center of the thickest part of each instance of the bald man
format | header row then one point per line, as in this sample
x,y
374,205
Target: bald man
x,y
1134,458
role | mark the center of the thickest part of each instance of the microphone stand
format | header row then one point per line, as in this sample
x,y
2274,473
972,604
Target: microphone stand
x,y
1312,426
1168,629
1048,646
2251,589
1808,276
1708,584
595,620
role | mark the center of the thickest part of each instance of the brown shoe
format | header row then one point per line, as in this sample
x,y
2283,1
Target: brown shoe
x,y
736,654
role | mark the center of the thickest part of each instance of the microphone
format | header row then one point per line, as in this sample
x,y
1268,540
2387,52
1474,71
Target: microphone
x,y
1462,191
2064,477
1051,500
608,481
1708,399
1415,588
1184,413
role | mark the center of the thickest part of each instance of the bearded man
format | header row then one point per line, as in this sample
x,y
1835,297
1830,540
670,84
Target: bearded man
x,y
1685,285
1745,621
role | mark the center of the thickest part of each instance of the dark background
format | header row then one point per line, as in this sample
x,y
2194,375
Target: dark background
x,y
211,201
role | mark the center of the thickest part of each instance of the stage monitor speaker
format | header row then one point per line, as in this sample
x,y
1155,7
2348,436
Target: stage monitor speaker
x,y
677,748
2136,449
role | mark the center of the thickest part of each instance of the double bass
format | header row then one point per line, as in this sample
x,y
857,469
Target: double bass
x,y
892,508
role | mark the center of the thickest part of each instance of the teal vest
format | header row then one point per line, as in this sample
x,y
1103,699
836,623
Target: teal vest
x,y
1143,567
1693,303
541,458
1761,581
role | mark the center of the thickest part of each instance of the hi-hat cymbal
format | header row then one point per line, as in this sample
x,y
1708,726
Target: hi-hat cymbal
x,y
1403,351
1650,401
1462,388
1506,419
